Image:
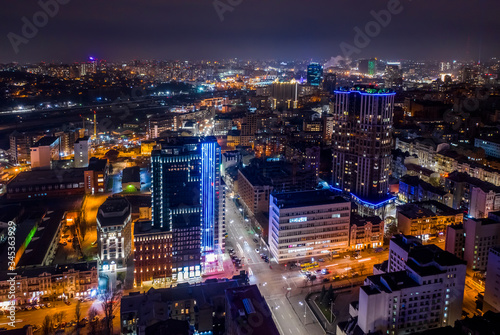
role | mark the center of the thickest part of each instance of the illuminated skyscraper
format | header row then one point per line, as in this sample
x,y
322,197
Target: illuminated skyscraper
x,y
368,66
314,74
361,141
393,75
186,200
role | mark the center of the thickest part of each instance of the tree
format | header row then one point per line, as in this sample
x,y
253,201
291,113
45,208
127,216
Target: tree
x,y
329,297
59,317
110,304
323,292
83,228
93,325
78,311
47,326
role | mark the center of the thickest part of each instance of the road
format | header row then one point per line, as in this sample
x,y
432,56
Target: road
x,y
36,317
271,282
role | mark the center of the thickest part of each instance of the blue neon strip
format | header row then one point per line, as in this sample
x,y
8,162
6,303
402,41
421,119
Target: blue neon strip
x,y
208,195
361,200
369,203
364,93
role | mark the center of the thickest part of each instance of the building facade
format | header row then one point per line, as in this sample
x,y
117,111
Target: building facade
x,y
366,232
44,151
472,241
186,200
82,152
114,230
361,140
308,224
492,287
423,289
35,285
152,255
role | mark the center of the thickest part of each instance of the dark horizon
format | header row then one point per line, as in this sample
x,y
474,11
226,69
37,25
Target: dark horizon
x,y
193,30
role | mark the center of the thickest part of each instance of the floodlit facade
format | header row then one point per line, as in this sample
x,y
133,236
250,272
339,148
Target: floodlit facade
x,y
308,224
187,200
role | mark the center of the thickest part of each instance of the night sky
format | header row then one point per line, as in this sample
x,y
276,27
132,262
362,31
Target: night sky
x,y
120,30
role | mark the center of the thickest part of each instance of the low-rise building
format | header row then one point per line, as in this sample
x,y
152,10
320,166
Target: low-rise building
x,y
36,284
414,189
44,151
259,179
202,305
490,146
114,230
492,287
131,179
475,195
152,254
426,219
366,232
46,183
147,147
307,224
96,176
479,235
248,313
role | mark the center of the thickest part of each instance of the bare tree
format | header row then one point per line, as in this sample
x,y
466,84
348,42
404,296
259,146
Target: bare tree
x,y
110,302
78,311
93,325
47,326
59,317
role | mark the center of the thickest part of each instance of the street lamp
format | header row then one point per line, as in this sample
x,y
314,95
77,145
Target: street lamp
x,y
305,309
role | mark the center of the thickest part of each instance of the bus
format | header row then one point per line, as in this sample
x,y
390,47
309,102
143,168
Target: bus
x,y
309,266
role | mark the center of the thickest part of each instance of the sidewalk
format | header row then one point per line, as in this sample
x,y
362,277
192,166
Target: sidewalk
x,y
305,314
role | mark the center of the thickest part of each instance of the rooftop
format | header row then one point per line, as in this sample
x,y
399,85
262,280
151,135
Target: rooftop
x,y
82,139
46,177
246,303
131,175
46,141
113,212
307,198
388,282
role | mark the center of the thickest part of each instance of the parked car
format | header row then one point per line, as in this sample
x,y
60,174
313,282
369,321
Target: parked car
x,y
321,260
326,280
358,256
49,305
67,302
347,256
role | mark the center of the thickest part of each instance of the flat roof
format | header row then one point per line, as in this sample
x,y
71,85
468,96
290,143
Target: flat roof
x,y
131,175
113,212
389,282
45,177
46,141
40,243
307,198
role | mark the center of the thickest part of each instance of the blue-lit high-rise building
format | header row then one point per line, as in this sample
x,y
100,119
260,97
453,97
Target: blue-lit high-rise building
x,y
314,74
187,199
361,143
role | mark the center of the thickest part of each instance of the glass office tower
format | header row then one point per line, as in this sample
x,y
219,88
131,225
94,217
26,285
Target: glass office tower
x,y
314,74
185,201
